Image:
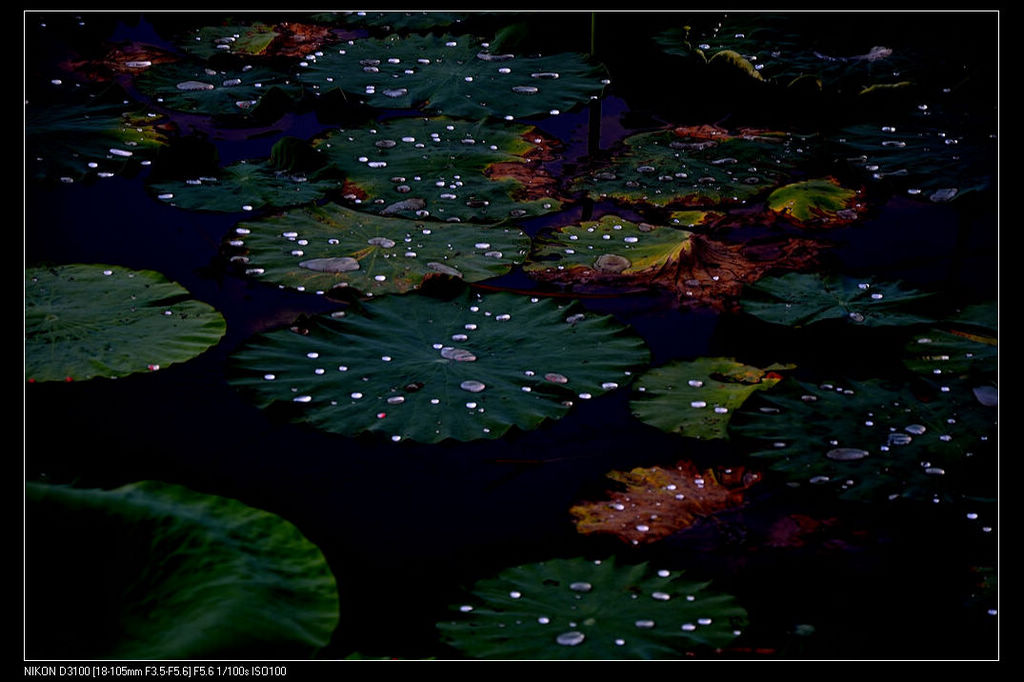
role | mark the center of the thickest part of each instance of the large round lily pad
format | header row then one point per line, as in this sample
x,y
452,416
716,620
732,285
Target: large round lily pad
x,y
802,299
322,247
455,76
867,440
84,321
599,610
445,169
424,369
698,166
163,572
697,398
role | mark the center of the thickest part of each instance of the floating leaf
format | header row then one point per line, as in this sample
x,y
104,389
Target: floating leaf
x,y
397,22
455,76
679,168
579,609
246,186
926,163
819,203
784,47
162,572
693,218
697,398
445,169
194,87
694,269
659,502
419,368
284,39
799,300
322,247
865,440
128,58
71,142
86,321
964,346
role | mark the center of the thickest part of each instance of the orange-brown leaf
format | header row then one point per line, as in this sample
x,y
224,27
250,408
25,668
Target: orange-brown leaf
x,y
659,502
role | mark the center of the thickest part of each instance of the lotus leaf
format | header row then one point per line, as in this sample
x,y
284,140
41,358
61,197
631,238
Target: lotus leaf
x,y
678,168
195,87
779,46
456,77
865,440
284,39
696,399
966,346
321,247
820,203
799,300
424,369
68,143
926,163
445,169
658,502
611,246
580,609
164,572
246,186
694,269
399,22
85,321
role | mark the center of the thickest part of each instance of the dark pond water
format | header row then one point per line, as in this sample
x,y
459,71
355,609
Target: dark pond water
x,y
407,527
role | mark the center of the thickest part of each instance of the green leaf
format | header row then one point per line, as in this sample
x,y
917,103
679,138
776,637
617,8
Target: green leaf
x,y
444,169
237,39
799,300
195,87
163,572
865,440
611,246
965,346
597,610
423,369
820,202
68,143
322,247
245,186
697,398
456,77
85,321
925,163
678,168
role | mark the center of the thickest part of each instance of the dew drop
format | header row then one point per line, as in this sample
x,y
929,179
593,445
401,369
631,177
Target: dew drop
x,y
644,624
846,454
916,429
571,638
472,386
556,378
661,596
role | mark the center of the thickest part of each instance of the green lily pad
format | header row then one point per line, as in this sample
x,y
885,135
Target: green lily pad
x,y
822,202
322,247
444,169
865,440
696,399
783,48
455,77
964,346
246,186
195,87
597,610
72,142
86,321
799,300
927,164
609,246
163,572
238,39
419,368
676,168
